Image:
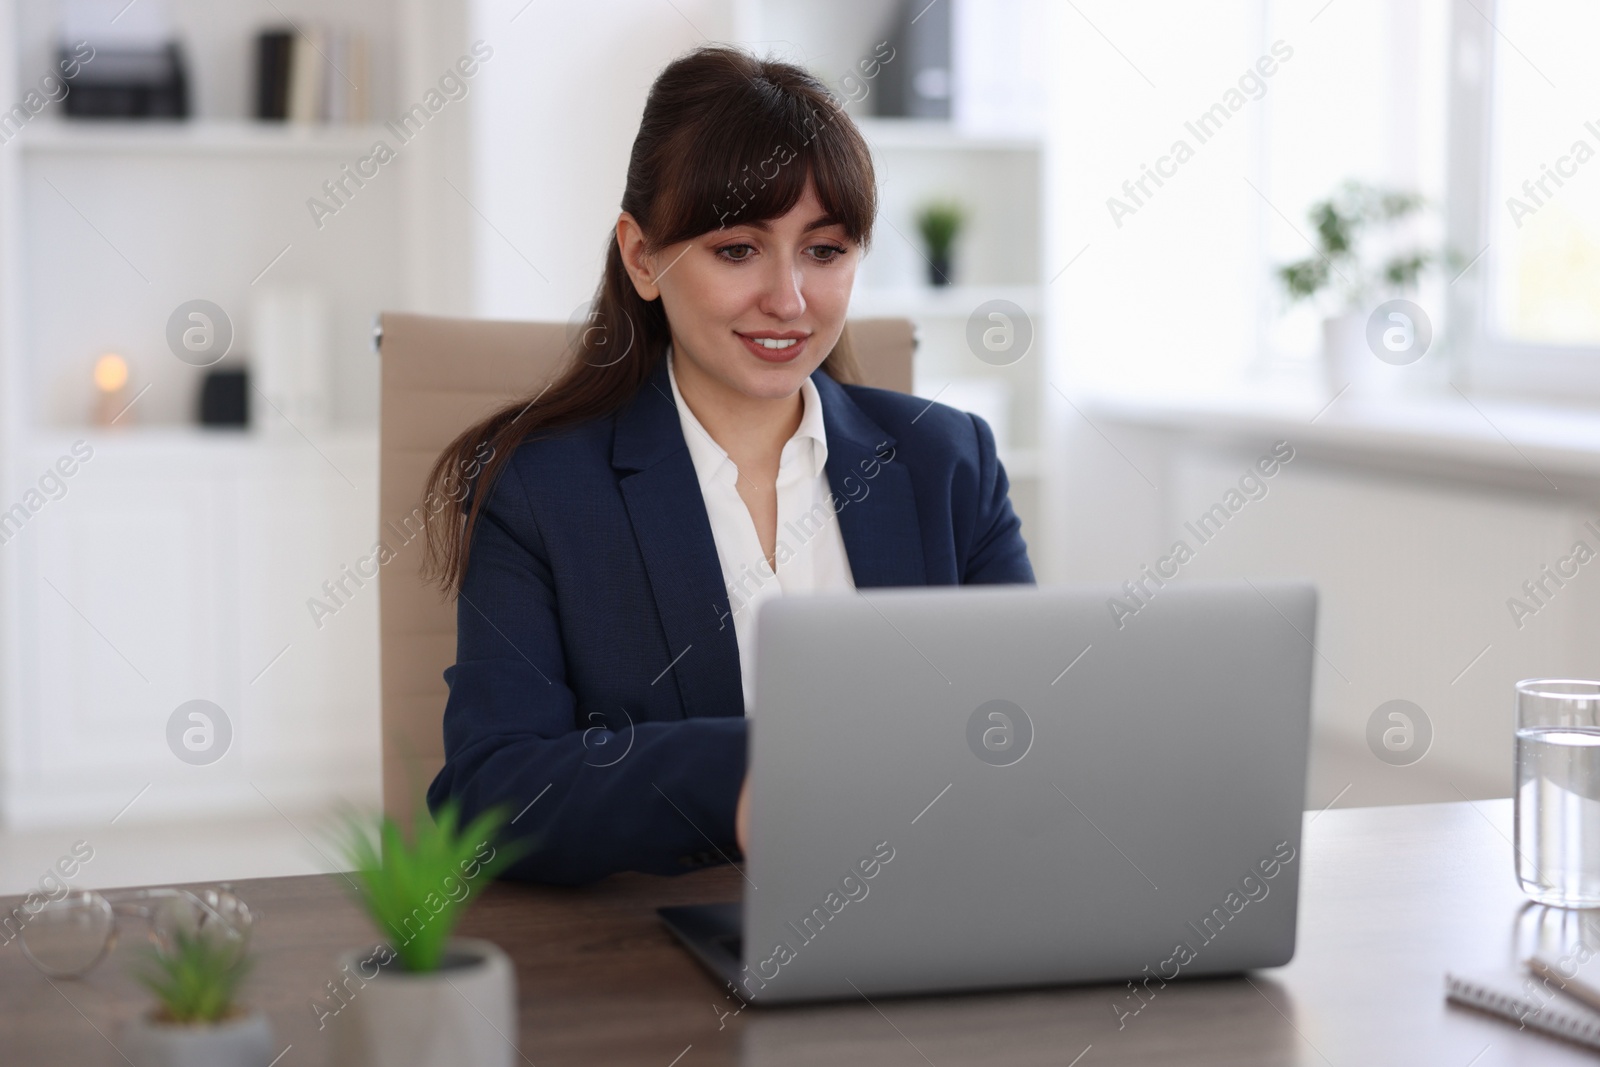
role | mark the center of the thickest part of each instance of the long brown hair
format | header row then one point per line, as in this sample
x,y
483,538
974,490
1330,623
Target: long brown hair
x,y
726,138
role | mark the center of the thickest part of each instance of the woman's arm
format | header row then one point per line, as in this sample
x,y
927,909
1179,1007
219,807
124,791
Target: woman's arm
x,y
998,554
514,731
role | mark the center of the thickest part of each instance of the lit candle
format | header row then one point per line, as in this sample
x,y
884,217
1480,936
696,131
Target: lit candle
x,y
111,380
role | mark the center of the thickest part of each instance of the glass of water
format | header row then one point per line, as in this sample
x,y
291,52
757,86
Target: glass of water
x,y
1558,791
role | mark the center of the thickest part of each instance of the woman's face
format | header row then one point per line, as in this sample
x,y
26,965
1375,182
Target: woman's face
x,y
755,307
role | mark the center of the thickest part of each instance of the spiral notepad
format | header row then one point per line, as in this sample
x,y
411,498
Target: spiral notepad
x,y
1528,1000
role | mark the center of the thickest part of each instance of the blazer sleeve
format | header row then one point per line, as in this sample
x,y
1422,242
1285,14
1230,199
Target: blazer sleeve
x,y
998,554
515,735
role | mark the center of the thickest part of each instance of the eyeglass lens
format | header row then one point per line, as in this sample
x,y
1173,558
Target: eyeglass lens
x,y
210,913
66,937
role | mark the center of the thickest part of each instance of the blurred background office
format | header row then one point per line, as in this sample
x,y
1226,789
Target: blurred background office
x,y
1360,234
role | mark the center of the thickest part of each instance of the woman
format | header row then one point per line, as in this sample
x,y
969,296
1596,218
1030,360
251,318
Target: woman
x,y
701,453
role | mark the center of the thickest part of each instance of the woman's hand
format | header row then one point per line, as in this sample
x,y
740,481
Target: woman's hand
x,y
741,813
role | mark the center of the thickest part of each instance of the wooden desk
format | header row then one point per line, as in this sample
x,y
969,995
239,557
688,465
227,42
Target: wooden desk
x,y
1390,898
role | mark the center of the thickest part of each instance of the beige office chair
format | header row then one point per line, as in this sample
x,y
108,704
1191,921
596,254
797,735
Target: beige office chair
x,y
439,376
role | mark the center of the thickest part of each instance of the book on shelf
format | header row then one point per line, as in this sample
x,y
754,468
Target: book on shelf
x,y
350,78
306,72
318,74
272,74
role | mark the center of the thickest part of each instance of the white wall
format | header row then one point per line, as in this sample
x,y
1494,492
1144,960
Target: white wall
x,y
1414,564
556,114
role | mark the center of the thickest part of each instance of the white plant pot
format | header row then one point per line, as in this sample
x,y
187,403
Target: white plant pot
x,y
1344,351
463,1015
1349,363
244,1041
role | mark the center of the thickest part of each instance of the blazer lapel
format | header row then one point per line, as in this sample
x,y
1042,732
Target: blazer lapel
x,y
878,508
877,522
680,555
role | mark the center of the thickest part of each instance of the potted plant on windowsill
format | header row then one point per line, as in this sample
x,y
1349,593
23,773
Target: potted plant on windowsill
x,y
1350,279
196,1021
424,998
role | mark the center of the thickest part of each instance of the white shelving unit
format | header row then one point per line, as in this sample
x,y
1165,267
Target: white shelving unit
x,y
202,137
998,178
178,562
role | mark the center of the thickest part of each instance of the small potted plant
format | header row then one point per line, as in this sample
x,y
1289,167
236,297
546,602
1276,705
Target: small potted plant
x,y
197,1021
1349,279
424,998
940,223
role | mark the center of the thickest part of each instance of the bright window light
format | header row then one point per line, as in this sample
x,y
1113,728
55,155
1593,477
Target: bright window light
x,y
1544,203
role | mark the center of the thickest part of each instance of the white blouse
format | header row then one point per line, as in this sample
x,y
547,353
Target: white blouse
x,y
809,548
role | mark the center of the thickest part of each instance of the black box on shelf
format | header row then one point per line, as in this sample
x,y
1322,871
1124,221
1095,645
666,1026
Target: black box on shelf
x,y
225,397
130,84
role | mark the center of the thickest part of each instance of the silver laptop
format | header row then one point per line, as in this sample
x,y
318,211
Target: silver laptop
x,y
975,788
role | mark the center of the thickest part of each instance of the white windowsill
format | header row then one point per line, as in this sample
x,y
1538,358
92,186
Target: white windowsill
x,y
1531,443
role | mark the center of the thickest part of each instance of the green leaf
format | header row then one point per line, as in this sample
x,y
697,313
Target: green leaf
x,y
416,890
1403,271
1335,232
939,223
196,981
1305,278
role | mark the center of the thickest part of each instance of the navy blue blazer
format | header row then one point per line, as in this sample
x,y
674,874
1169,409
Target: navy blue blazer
x,y
596,692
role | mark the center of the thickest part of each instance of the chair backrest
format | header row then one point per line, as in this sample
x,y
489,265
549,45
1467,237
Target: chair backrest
x,y
439,376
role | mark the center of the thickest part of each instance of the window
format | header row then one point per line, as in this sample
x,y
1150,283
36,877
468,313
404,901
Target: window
x,y
1525,190
1544,203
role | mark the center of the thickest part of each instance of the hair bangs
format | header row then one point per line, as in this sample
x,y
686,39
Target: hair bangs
x,y
749,160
